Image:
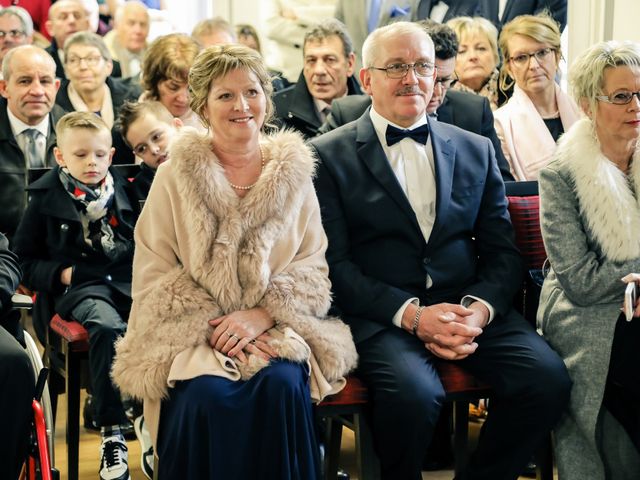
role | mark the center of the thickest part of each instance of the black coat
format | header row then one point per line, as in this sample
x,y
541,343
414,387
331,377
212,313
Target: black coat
x,y
10,275
121,91
464,110
489,9
295,107
50,238
140,185
13,169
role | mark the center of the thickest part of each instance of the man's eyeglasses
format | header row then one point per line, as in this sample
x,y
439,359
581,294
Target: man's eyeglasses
x,y
523,59
619,98
15,34
399,70
91,60
446,82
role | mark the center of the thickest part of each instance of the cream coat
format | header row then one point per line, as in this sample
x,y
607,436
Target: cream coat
x,y
525,139
202,252
590,218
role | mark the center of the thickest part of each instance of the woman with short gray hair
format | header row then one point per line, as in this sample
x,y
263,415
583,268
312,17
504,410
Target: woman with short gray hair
x,y
590,218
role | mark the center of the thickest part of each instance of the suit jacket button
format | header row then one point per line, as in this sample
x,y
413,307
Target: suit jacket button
x,y
64,227
426,261
108,278
83,255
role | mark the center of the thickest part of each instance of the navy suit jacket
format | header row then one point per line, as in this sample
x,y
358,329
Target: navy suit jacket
x,y
377,255
465,110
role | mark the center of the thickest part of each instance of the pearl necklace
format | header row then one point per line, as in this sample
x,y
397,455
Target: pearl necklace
x,y
249,187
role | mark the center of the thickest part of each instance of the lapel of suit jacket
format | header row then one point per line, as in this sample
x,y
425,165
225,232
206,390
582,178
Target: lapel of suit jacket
x,y
507,11
371,153
445,112
489,9
444,162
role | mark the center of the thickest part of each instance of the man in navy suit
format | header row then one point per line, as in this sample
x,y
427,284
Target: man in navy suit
x,y
424,266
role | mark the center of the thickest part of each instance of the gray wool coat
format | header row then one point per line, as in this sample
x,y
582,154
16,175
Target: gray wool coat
x,y
590,219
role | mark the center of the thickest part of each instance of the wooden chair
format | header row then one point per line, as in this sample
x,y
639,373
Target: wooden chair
x,y
524,209
349,408
66,353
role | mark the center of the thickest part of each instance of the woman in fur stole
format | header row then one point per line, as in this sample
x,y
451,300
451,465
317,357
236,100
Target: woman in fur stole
x,y
228,339
590,215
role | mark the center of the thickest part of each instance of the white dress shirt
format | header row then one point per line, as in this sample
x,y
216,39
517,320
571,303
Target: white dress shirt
x,y
18,127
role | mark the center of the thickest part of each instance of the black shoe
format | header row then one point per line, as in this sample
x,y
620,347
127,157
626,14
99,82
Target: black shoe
x,y
126,428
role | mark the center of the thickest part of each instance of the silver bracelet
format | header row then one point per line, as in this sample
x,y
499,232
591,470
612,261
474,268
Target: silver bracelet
x,y
416,320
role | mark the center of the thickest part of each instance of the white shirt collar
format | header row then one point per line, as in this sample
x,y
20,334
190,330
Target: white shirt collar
x,y
18,126
380,124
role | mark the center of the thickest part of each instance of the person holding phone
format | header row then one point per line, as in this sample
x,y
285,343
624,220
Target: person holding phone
x,y
590,218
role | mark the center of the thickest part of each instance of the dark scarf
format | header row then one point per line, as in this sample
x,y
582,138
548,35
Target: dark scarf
x,y
97,217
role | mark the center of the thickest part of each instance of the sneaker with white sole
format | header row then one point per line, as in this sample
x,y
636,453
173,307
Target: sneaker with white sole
x,y
113,458
146,447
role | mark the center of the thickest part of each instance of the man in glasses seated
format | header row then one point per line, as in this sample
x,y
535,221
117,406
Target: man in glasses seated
x,y
16,28
423,266
465,110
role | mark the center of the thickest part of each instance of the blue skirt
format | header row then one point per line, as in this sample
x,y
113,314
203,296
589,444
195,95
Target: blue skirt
x,y
214,428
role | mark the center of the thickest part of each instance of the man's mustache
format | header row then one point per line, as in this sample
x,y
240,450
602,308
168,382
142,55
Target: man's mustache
x,y
409,90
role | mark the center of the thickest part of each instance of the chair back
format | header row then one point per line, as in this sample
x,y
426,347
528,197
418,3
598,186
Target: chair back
x,y
524,209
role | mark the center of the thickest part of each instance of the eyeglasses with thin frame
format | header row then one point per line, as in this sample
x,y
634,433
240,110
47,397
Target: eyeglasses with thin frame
x,y
621,97
400,70
91,60
523,59
447,82
15,34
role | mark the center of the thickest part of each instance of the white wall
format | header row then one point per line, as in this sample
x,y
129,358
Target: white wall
x,y
592,21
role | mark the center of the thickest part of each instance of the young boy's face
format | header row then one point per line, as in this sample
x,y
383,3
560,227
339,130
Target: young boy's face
x,y
86,153
149,137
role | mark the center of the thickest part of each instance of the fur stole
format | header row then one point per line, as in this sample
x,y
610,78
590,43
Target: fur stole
x,y
608,199
230,242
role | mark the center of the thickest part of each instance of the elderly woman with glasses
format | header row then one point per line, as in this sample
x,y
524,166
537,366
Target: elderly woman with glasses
x,y
89,87
531,122
590,216
229,340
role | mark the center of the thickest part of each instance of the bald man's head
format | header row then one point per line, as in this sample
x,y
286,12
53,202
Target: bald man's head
x,y
66,17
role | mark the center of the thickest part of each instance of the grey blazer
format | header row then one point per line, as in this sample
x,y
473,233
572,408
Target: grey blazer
x,y
580,304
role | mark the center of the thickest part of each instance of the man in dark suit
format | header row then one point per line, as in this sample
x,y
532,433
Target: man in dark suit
x,y
444,10
327,74
490,9
27,108
424,266
465,110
